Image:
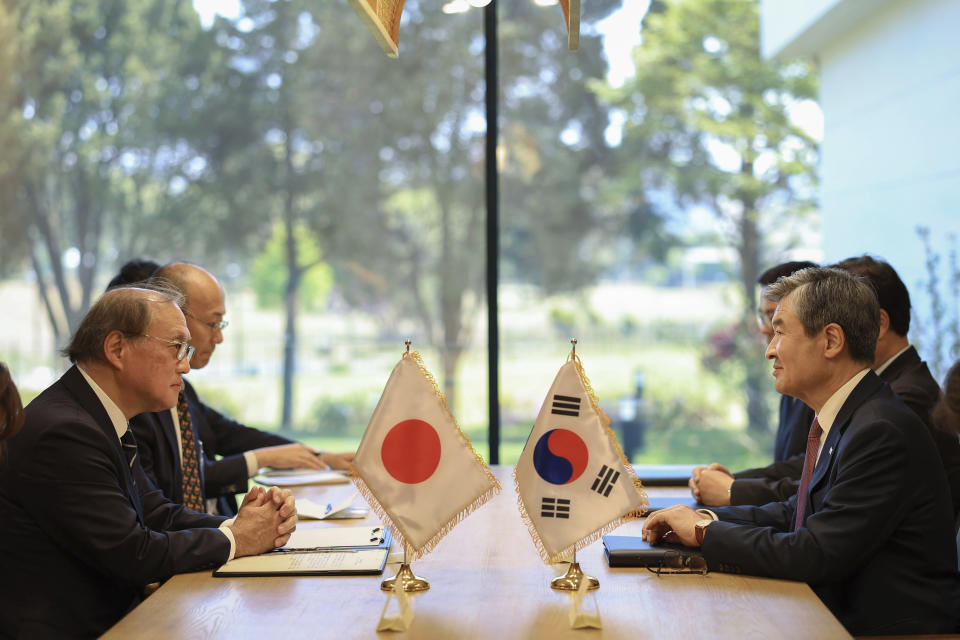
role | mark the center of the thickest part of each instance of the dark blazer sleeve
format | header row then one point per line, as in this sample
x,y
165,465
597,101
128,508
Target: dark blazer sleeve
x,y
773,483
865,503
72,488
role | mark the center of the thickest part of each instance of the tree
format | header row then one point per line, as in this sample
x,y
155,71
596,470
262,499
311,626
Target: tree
x,y
708,121
416,132
96,119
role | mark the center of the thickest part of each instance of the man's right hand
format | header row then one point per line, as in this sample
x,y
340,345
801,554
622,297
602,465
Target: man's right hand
x,y
698,489
265,520
289,456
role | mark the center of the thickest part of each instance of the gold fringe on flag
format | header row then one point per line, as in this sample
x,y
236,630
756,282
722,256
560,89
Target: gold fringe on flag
x,y
564,554
376,505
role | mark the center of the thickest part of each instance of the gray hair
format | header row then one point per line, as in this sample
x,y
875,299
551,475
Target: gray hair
x,y
821,296
129,310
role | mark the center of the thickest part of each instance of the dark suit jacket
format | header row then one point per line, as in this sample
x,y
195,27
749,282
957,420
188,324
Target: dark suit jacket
x,y
215,435
81,532
909,378
877,542
792,429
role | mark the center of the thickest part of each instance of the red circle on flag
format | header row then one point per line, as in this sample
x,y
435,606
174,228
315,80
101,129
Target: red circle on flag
x,y
411,451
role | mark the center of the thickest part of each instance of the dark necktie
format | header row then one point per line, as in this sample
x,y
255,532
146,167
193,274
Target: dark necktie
x,y
129,444
809,462
192,494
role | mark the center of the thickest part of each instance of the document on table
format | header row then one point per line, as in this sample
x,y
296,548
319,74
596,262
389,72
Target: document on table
x,y
348,562
324,551
329,538
307,508
298,477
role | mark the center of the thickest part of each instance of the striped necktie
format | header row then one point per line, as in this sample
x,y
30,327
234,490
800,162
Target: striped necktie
x,y
129,444
809,462
192,492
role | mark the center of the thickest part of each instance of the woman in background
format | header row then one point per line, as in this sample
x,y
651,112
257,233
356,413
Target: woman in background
x,y
11,409
946,413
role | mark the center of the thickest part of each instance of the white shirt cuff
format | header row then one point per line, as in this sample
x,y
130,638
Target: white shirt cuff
x,y
707,512
225,528
252,466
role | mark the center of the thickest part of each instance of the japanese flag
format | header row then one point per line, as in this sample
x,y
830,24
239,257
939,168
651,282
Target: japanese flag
x,y
414,466
573,481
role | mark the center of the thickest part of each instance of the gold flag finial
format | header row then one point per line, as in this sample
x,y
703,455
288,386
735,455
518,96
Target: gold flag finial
x,y
408,343
573,351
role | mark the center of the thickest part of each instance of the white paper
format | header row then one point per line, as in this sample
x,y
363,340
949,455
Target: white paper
x,y
359,561
297,477
400,621
307,508
333,537
580,619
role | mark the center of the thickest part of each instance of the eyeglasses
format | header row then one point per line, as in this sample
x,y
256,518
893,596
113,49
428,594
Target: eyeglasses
x,y
676,562
183,348
763,320
214,326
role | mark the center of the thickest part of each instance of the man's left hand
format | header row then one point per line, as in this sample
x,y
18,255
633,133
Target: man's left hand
x,y
673,524
713,489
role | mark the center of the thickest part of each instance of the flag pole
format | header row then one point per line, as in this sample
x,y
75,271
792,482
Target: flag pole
x,y
410,581
570,581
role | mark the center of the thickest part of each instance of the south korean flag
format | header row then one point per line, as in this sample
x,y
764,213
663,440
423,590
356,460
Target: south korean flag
x,y
573,481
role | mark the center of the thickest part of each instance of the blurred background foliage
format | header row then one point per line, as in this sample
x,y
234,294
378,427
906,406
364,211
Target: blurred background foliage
x,y
339,197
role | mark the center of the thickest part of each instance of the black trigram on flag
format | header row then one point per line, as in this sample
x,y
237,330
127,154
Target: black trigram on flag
x,y
555,508
566,405
605,480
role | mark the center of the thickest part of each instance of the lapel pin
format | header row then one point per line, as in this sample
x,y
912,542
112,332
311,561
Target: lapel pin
x,y
831,451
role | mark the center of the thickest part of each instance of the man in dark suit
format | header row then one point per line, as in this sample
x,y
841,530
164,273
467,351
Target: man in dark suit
x,y
83,529
896,362
870,528
231,453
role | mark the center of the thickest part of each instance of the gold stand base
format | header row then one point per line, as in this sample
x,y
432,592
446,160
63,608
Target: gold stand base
x,y
411,583
570,581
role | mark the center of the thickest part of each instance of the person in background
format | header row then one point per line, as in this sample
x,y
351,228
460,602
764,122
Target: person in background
x,y
795,417
794,421
870,529
946,413
229,453
11,408
84,531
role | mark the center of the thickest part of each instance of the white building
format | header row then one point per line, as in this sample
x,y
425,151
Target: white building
x,y
890,95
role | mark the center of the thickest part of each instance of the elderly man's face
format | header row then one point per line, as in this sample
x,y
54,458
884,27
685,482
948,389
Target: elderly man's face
x,y
154,371
797,358
205,309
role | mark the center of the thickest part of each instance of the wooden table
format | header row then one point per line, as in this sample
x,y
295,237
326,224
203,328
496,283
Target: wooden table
x,y
486,581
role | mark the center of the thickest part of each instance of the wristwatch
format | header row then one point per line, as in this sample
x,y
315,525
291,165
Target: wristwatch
x,y
699,528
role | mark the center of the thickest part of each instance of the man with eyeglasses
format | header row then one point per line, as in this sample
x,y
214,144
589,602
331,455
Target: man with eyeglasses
x,y
83,528
242,450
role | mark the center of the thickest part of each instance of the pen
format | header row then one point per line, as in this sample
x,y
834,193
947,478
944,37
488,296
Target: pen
x,y
316,550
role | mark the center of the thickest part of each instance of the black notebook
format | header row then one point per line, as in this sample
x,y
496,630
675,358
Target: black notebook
x,y
659,502
664,475
633,551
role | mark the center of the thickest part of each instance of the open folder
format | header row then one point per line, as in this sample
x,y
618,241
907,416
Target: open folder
x,y
326,551
300,477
